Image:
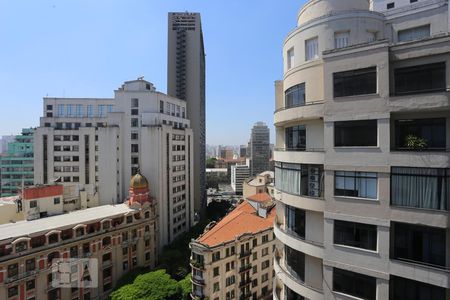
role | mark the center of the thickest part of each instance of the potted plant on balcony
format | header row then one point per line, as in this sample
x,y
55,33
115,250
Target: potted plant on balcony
x,y
414,142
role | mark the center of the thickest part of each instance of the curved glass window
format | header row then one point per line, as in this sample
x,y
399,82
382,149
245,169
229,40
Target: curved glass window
x,y
295,96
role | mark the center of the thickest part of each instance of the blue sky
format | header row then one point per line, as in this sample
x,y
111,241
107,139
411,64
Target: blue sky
x,y
87,48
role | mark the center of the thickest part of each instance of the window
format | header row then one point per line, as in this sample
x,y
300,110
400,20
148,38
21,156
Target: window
x,y
216,271
134,122
79,110
134,148
415,33
31,284
354,284
161,106
341,39
311,48
390,5
13,270
90,111
432,131
33,204
30,265
216,287
265,238
355,234
134,112
290,58
295,138
291,295
371,36
355,82
356,133
101,111
134,102
420,188
60,108
13,291
402,288
265,277
265,251
299,179
355,184
255,283
56,201
417,243
420,79
295,262
295,221
216,256
295,96
230,280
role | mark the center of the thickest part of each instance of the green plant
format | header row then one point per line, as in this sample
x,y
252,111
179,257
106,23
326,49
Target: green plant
x,y
415,142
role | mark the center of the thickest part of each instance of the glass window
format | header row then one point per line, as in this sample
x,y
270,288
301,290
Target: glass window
x,y
415,33
90,111
295,138
420,187
290,58
295,96
134,122
79,110
60,110
295,262
312,48
295,221
354,284
355,234
402,288
371,36
421,244
304,180
134,102
291,295
101,111
356,133
355,184
355,82
341,39
420,79
430,133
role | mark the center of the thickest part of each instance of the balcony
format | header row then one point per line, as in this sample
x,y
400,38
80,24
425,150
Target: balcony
x,y
247,295
308,111
197,264
20,276
303,155
245,282
245,253
198,280
245,268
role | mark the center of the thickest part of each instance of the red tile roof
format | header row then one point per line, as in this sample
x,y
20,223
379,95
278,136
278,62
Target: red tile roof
x,y
260,197
242,219
42,192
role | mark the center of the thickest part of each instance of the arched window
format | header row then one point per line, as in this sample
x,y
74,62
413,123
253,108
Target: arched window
x,y
79,231
52,256
147,214
21,246
53,238
106,241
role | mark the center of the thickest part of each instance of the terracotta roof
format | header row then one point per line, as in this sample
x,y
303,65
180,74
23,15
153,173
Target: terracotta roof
x,y
260,197
242,219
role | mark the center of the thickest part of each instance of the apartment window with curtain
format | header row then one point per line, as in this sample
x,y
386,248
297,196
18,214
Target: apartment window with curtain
x,y
299,179
415,33
295,262
312,48
290,58
354,234
295,96
355,82
420,79
426,188
356,184
362,133
432,131
341,39
295,221
402,288
354,284
417,243
295,138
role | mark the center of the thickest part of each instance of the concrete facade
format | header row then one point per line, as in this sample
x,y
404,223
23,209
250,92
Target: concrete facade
x,y
186,81
374,41
259,148
95,145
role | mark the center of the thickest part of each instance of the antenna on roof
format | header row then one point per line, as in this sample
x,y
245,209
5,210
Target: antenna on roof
x,y
141,78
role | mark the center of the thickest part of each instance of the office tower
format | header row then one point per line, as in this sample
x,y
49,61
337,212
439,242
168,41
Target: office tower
x,y
186,80
243,151
234,259
362,170
239,173
96,145
260,148
121,238
4,141
16,164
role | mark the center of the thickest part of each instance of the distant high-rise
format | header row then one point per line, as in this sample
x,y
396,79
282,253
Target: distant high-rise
x,y
186,80
260,148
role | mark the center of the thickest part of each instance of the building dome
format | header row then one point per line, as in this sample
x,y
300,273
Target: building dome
x,y
314,9
138,181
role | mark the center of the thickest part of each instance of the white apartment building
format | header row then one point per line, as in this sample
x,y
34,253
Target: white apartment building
x,y
239,173
96,145
362,169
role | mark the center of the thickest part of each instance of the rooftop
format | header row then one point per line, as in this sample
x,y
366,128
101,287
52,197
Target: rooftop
x,y
243,219
44,225
260,197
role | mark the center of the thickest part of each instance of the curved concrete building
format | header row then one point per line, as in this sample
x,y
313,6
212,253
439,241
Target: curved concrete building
x,y
362,164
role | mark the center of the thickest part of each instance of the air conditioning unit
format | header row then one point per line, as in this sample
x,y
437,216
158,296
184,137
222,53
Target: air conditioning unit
x,y
313,177
314,186
313,171
313,193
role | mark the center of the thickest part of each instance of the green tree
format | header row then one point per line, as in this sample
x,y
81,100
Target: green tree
x,y
211,162
186,286
155,285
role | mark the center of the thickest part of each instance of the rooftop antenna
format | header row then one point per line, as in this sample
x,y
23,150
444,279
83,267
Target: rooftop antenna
x,y
141,78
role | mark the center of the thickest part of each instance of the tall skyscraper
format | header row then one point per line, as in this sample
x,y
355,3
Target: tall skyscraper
x,y
260,148
186,80
95,145
362,170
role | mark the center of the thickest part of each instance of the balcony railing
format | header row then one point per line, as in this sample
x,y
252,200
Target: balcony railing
x,y
20,276
300,149
245,296
245,253
197,264
198,280
300,105
245,282
245,268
